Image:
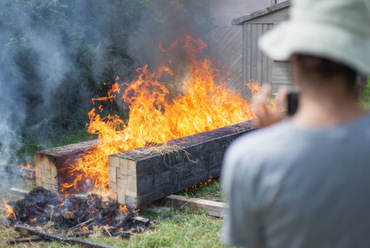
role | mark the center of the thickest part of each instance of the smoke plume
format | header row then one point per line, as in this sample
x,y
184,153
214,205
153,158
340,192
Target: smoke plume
x,y
55,55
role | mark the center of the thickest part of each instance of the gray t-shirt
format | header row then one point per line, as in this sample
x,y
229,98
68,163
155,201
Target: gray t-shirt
x,y
299,187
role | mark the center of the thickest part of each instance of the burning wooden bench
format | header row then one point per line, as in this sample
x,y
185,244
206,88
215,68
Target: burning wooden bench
x,y
141,176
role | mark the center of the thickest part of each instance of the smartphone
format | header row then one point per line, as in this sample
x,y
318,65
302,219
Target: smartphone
x,y
292,103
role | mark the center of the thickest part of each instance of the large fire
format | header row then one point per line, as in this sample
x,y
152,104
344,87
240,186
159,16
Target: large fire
x,y
203,105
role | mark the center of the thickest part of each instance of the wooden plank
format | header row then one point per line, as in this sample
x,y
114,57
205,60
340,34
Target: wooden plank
x,y
259,70
24,240
223,11
20,192
260,13
147,174
281,16
212,208
267,62
54,237
49,163
245,56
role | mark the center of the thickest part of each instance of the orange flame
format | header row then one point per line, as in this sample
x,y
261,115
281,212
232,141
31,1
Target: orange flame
x,y
123,210
21,167
115,89
253,87
199,185
9,209
203,105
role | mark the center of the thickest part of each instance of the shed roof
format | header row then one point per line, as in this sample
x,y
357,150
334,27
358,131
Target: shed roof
x,y
262,12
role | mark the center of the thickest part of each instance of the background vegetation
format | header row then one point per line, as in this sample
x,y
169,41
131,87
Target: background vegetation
x,y
58,54
89,43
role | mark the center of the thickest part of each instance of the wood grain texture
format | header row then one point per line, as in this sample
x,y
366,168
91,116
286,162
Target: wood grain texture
x,y
256,66
259,13
50,163
212,208
226,49
153,175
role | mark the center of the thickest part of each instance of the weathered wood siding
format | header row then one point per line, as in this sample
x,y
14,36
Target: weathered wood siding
x,y
224,11
236,47
227,47
226,43
256,65
281,74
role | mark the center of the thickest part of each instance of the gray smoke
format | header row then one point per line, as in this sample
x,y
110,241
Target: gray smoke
x,y
164,22
35,63
12,107
42,49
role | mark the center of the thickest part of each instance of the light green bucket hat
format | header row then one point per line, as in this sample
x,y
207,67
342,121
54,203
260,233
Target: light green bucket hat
x,y
334,29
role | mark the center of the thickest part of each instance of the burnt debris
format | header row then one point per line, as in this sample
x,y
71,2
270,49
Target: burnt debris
x,y
76,213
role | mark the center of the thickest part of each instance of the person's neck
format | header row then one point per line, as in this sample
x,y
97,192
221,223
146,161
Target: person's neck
x,y
327,107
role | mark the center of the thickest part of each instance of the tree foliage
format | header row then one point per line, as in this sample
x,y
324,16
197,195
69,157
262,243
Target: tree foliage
x,y
91,35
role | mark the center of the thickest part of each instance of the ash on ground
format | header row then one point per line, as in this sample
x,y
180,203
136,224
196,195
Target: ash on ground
x,y
73,213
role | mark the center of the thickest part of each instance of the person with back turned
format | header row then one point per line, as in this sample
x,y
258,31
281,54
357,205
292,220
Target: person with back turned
x,y
305,181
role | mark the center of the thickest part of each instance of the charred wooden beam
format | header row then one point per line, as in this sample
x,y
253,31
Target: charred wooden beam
x,y
51,164
141,176
212,208
49,236
23,240
36,238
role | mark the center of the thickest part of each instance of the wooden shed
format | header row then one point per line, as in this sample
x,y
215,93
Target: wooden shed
x,y
256,66
226,41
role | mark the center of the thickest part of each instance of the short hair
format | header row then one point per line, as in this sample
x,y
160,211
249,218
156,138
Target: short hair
x,y
311,66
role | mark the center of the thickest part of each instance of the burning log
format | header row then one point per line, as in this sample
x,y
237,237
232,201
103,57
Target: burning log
x,y
69,240
52,164
143,175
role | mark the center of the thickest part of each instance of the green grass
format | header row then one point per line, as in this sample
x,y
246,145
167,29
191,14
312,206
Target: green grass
x,y
181,229
211,191
174,228
30,146
9,233
71,138
184,229
365,97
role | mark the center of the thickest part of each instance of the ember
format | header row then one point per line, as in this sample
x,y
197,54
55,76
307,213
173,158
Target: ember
x,y
74,213
26,171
